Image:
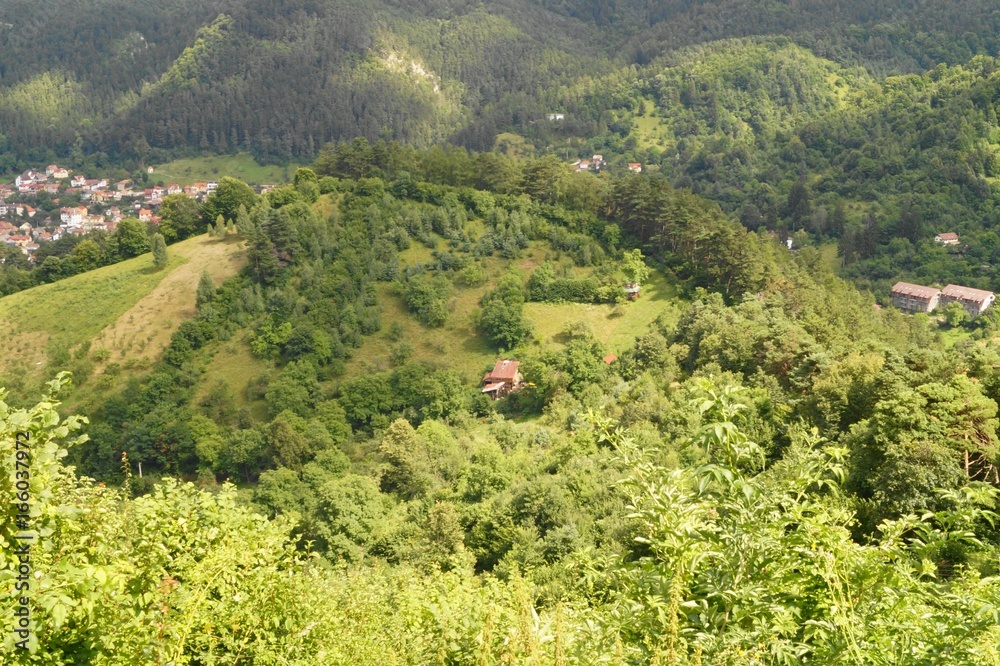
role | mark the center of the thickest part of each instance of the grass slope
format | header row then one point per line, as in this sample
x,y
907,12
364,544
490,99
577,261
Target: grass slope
x,y
51,319
128,309
615,328
241,166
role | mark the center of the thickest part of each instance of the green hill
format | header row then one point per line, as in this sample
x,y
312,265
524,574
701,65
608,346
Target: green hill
x,y
103,321
772,466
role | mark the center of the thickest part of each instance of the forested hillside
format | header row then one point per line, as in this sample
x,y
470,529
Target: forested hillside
x,y
571,345
772,471
281,79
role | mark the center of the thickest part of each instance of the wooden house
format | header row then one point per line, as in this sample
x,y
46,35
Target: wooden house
x,y
505,378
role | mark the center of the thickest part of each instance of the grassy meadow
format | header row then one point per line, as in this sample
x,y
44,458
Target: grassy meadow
x,y
242,166
107,323
459,345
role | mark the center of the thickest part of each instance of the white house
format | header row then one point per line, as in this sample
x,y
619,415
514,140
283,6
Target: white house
x,y
72,217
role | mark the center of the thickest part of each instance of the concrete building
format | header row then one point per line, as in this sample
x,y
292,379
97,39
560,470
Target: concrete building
x,y
914,298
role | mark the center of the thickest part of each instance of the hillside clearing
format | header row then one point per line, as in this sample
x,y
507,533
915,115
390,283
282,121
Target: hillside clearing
x,y
47,321
616,327
458,345
128,309
242,166
145,329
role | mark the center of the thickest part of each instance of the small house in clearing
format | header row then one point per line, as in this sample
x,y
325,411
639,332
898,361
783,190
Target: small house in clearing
x,y
504,379
947,238
975,301
632,290
914,298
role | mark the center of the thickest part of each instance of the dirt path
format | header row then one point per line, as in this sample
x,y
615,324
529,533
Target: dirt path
x,y
144,330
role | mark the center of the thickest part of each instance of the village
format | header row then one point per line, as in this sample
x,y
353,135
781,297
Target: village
x,y
96,205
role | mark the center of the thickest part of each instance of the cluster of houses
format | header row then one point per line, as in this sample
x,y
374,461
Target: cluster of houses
x,y
917,298
56,180
596,163
103,205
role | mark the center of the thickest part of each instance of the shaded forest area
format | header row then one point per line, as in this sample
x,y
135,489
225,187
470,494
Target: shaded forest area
x,y
143,80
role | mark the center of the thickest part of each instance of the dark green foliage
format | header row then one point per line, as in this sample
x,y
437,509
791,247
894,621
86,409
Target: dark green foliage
x,y
206,289
226,200
427,297
296,389
501,316
130,239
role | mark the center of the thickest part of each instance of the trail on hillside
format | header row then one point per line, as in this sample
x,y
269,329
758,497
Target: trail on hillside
x,y
144,330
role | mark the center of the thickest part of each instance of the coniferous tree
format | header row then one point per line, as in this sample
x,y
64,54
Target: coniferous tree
x,y
261,257
244,225
206,289
160,258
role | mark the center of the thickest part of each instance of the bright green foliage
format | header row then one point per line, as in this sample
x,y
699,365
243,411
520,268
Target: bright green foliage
x,y
270,337
181,217
955,314
226,200
501,318
735,560
88,255
634,267
427,298
406,459
160,258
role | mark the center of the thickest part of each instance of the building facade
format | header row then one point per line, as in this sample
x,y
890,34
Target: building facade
x,y
915,298
975,301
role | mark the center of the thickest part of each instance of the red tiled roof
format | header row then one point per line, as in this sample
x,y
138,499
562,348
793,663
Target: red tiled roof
x,y
948,235
610,358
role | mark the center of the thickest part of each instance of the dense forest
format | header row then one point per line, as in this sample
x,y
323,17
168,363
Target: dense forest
x,y
138,80
869,126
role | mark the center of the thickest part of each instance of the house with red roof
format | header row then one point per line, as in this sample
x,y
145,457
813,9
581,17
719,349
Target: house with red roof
x,y
505,378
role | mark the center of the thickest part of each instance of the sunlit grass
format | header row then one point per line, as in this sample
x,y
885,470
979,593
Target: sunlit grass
x,y
242,166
